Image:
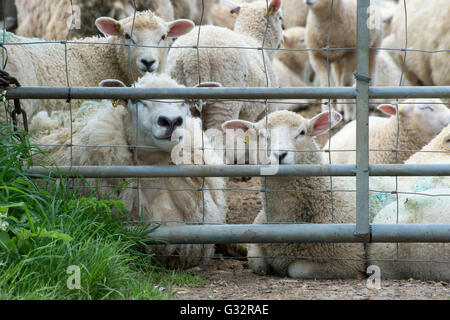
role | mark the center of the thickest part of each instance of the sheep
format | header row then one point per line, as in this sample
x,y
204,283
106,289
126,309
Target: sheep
x,y
159,127
419,121
50,20
427,30
93,59
294,13
220,14
297,61
341,35
388,66
289,132
232,67
387,9
425,259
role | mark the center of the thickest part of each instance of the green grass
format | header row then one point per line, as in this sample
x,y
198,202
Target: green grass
x,y
45,227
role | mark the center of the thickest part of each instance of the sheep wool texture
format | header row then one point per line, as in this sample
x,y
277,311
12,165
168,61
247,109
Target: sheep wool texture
x,y
423,209
231,67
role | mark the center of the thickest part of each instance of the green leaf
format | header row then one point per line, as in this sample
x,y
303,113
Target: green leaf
x,y
4,239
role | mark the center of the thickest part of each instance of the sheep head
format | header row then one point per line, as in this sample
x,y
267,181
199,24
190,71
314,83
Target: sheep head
x,y
286,133
150,34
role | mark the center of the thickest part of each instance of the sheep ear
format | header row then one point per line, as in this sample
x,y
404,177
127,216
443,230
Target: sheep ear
x,y
179,27
388,109
111,83
323,122
108,26
237,124
274,6
209,85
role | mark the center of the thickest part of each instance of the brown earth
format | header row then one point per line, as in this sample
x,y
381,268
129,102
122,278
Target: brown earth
x,y
230,279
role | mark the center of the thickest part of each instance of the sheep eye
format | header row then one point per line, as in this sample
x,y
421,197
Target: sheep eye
x,y
163,37
302,133
127,36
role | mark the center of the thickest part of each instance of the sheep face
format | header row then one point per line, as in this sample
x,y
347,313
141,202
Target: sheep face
x,y
157,121
429,116
148,37
253,16
153,123
287,133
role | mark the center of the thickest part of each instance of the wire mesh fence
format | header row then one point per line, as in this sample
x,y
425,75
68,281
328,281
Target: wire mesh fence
x,y
337,205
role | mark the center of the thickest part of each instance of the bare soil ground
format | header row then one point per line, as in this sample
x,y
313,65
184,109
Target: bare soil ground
x,y
230,279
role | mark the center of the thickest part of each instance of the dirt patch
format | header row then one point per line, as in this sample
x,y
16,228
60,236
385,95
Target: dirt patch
x,y
232,279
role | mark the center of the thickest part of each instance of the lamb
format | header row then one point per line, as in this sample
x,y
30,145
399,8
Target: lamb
x,y
159,127
425,208
93,59
232,67
290,132
50,20
427,30
419,120
342,35
297,61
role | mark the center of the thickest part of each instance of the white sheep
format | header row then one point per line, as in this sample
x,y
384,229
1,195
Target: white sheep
x,y
420,120
342,35
288,133
93,59
231,66
428,30
158,126
297,61
424,261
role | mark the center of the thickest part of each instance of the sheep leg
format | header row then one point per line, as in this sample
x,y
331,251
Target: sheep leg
x,y
347,80
319,65
258,264
304,269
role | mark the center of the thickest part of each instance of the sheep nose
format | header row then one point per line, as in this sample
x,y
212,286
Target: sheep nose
x,y
280,156
148,64
170,124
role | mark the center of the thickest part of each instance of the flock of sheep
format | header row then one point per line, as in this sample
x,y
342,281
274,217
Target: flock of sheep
x,y
166,55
